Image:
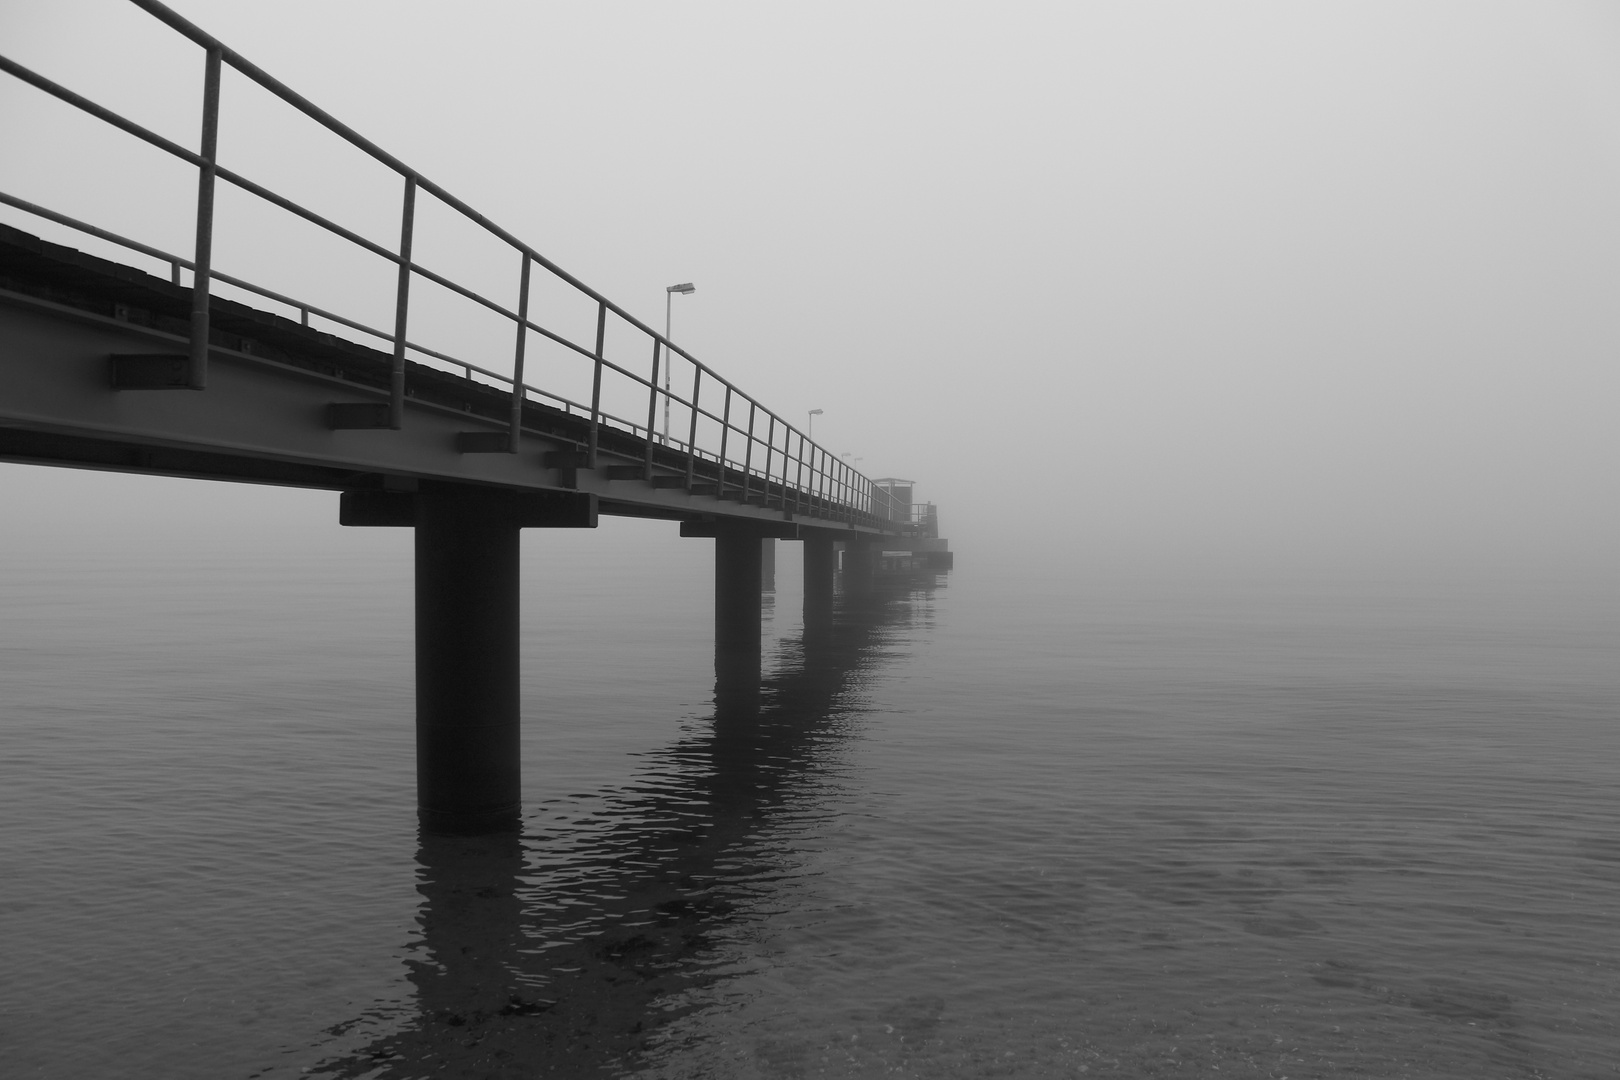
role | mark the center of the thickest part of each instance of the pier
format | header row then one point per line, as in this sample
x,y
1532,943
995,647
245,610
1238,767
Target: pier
x,y
106,365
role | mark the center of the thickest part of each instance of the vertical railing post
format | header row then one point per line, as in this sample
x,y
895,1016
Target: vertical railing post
x,y
810,479
815,476
815,479
402,306
652,409
197,365
517,359
748,449
798,477
596,384
725,430
770,450
691,438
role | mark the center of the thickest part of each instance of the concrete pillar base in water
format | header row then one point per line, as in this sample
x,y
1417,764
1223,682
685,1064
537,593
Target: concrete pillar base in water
x,y
767,563
738,595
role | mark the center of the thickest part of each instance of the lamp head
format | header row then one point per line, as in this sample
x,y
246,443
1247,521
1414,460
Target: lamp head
x,y
684,288
815,412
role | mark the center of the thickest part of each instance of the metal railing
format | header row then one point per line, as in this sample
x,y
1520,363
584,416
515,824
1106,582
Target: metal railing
x,y
904,513
763,457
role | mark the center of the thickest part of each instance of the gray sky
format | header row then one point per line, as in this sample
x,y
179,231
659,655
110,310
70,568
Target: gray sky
x,y
1323,284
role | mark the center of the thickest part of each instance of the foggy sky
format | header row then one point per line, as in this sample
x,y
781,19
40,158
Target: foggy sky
x,y
1134,284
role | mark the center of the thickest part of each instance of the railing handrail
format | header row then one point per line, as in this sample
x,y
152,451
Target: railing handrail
x,y
201,37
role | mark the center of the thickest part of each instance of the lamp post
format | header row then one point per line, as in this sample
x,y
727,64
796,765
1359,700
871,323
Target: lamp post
x,y
685,288
810,428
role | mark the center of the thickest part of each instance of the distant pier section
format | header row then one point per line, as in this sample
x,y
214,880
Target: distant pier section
x,y
918,546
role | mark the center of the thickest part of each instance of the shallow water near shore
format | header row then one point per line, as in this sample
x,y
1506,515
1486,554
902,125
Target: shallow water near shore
x,y
989,823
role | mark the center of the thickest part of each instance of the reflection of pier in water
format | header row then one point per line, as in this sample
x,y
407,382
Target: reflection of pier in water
x,y
569,952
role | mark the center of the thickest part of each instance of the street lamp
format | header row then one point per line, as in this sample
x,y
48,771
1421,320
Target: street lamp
x,y
810,428
685,288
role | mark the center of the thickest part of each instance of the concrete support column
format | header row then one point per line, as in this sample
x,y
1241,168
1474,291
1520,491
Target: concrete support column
x,y
738,595
820,565
467,769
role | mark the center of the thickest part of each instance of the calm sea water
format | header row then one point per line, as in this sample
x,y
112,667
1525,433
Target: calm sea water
x,y
993,824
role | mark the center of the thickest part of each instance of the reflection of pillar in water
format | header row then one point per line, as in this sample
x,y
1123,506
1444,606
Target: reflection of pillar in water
x,y
736,697
470,924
